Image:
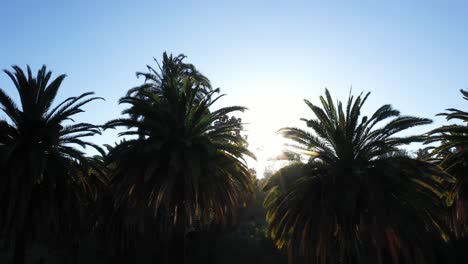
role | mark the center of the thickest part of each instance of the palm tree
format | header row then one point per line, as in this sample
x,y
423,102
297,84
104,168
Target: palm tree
x,y
181,160
41,169
356,199
453,156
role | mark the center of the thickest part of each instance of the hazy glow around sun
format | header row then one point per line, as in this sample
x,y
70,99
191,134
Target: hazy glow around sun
x,y
262,122
267,146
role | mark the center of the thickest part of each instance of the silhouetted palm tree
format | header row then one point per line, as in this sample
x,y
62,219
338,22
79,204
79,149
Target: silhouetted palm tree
x,y
453,156
181,161
355,200
41,169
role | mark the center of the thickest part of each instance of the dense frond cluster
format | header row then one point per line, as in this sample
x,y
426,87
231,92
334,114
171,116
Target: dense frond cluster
x,y
453,156
180,160
354,201
41,169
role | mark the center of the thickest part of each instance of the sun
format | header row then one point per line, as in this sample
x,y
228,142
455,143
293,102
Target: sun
x,y
268,148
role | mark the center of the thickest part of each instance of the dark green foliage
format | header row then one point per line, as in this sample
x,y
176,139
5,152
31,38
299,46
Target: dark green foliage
x,y
453,157
180,163
246,241
355,201
42,172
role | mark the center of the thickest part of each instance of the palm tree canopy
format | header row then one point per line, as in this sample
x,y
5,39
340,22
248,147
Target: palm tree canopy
x,y
38,160
453,156
354,200
173,71
451,136
181,160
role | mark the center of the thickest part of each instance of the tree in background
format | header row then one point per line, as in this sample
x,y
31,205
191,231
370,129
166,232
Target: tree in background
x,y
354,200
41,168
423,153
182,161
234,121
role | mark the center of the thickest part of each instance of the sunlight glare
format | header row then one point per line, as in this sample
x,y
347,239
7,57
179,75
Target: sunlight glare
x,y
268,148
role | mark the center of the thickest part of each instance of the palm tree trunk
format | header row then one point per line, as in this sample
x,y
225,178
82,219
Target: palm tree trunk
x,y
19,253
178,245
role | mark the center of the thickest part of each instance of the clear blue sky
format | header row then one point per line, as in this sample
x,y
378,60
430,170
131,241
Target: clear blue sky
x,y
266,55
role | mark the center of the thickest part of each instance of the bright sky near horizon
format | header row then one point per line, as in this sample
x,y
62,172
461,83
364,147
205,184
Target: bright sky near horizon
x,y
265,55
